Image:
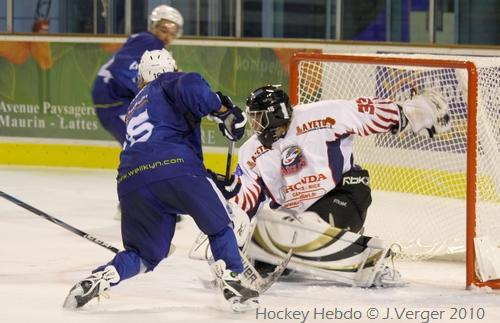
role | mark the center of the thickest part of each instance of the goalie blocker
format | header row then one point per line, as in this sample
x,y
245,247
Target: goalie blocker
x,y
345,206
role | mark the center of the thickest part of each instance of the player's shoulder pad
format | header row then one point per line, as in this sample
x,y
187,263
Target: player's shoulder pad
x,y
251,148
191,79
300,110
192,76
139,37
313,108
181,81
145,41
168,78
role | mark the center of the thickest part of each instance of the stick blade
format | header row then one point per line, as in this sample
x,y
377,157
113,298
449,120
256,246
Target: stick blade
x,y
265,283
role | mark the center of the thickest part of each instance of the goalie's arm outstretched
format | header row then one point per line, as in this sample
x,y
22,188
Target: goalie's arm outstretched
x,y
425,114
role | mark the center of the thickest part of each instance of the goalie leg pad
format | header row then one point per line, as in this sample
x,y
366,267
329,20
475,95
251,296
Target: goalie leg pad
x,y
318,248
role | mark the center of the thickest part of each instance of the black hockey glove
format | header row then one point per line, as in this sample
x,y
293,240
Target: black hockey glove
x,y
232,122
228,187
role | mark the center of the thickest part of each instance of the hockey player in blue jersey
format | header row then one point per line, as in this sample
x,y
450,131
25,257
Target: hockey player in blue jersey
x,y
161,174
116,85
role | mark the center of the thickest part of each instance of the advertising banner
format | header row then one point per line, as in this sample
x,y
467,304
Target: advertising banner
x,y
45,87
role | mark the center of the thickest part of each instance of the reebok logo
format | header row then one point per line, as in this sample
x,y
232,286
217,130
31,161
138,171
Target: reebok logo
x,y
339,202
352,180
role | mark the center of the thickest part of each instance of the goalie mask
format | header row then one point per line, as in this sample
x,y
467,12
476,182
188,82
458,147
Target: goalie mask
x,y
154,63
268,108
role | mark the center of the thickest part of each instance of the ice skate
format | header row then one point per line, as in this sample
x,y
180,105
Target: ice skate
x,y
91,287
240,297
388,277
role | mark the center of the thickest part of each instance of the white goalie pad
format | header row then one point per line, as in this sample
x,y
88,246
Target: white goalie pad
x,y
242,228
318,248
487,259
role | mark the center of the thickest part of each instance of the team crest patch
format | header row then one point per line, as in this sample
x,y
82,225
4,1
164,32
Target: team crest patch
x,y
292,160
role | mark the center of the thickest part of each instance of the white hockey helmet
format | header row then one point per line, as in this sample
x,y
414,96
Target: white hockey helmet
x,y
155,62
167,13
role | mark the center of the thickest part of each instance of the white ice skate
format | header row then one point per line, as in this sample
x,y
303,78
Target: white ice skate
x,y
389,277
240,297
91,287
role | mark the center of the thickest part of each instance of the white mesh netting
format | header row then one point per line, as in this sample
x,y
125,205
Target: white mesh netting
x,y
420,184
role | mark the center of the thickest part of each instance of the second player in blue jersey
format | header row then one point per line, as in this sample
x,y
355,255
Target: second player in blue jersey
x,y
116,82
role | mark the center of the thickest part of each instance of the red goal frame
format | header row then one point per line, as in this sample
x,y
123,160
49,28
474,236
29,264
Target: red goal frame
x,y
470,67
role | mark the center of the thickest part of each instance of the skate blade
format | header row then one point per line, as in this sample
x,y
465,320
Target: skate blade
x,y
393,283
240,307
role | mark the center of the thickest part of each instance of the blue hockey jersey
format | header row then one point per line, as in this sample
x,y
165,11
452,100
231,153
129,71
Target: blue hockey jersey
x,y
163,130
117,79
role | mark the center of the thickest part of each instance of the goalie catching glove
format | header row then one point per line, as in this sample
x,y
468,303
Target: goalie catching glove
x,y
231,122
426,113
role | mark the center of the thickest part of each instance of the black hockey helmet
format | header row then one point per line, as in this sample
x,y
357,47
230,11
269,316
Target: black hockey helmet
x,y
268,108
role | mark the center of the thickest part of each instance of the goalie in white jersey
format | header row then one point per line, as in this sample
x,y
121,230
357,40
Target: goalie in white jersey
x,y
302,159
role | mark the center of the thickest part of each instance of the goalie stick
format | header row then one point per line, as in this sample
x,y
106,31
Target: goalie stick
x,y
201,251
58,222
262,284
251,276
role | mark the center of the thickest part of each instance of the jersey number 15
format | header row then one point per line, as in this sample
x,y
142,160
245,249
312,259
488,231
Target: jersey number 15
x,y
139,129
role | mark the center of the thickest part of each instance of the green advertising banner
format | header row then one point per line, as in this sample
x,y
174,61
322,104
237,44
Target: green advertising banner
x,y
45,91
45,87
45,97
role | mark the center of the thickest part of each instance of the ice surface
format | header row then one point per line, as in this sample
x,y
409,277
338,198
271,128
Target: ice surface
x,y
40,261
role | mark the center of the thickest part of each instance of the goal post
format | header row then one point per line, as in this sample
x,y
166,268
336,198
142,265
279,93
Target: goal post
x,y
453,180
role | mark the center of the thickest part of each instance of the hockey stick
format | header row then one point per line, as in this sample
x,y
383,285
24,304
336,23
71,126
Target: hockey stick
x,y
250,274
58,222
262,284
201,251
230,151
252,277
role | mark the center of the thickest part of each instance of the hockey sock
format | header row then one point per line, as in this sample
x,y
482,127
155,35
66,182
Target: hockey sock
x,y
224,246
127,264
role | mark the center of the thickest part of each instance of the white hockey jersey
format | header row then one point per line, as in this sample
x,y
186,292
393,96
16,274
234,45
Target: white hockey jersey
x,y
314,154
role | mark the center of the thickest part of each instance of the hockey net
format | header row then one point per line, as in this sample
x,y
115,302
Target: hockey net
x,y
436,197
